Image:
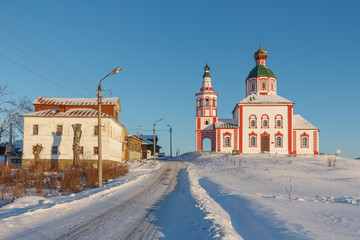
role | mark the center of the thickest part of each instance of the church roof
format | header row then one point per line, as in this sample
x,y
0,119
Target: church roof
x,y
261,71
264,99
300,123
226,123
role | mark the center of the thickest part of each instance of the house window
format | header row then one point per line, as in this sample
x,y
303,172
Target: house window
x,y
96,150
59,130
279,141
227,141
96,130
252,141
81,150
252,123
207,102
305,141
54,150
35,129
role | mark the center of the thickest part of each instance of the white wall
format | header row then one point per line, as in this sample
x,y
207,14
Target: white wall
x,y
112,137
271,111
232,141
306,150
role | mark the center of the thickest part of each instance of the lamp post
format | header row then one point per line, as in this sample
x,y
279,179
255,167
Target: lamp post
x,y
116,70
170,141
155,138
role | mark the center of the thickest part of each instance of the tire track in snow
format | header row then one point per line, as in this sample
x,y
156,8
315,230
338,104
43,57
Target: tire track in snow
x,y
141,225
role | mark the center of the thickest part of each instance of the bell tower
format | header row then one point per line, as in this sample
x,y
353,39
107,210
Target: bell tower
x,y
206,112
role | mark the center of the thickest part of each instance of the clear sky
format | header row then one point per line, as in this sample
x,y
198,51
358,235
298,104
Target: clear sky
x,y
163,46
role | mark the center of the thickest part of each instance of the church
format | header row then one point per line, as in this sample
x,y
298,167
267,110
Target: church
x,y
262,122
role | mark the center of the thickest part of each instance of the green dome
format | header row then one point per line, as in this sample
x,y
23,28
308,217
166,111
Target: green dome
x,y
261,71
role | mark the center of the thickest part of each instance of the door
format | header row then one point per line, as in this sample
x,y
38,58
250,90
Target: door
x,y
265,144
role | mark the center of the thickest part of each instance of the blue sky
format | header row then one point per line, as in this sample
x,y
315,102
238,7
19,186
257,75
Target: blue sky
x,y
164,45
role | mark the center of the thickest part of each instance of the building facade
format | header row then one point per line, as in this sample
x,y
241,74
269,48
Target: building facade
x,y
262,122
51,126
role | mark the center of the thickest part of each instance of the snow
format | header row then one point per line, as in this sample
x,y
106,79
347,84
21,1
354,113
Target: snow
x,y
324,200
217,196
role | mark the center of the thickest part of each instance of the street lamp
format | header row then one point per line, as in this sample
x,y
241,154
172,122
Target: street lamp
x,y
154,138
116,70
170,141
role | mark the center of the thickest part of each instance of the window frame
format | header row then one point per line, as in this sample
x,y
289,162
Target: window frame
x,y
96,150
305,137
59,130
252,118
36,129
54,150
252,136
96,130
264,118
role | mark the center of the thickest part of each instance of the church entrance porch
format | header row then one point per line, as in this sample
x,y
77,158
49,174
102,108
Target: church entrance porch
x,y
265,143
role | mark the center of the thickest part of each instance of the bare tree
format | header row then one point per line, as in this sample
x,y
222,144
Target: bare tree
x,y
10,109
76,143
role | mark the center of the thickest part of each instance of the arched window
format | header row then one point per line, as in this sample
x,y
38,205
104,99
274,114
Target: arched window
x,y
252,139
278,140
278,121
214,102
304,140
198,102
206,122
263,85
252,121
227,141
252,86
201,102
206,102
265,121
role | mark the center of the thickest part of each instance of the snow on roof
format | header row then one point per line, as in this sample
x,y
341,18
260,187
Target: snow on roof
x,y
265,99
226,123
74,101
74,112
300,123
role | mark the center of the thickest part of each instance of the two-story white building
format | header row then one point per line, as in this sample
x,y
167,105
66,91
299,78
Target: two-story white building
x,y
51,126
262,122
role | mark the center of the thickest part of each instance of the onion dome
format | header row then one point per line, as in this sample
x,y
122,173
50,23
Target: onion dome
x,y
206,73
261,53
261,71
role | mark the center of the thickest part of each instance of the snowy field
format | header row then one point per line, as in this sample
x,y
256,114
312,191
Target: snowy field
x,y
216,196
277,197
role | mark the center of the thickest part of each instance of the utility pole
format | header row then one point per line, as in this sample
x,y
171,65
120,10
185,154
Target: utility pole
x,y
138,131
155,138
170,141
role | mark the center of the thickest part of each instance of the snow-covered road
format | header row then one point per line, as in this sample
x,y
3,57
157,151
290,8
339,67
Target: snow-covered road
x,y
119,212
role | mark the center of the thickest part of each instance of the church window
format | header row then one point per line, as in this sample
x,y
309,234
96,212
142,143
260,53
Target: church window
x,y
252,141
252,123
252,87
304,140
214,102
279,141
227,141
207,102
265,121
263,85
272,87
278,121
206,122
